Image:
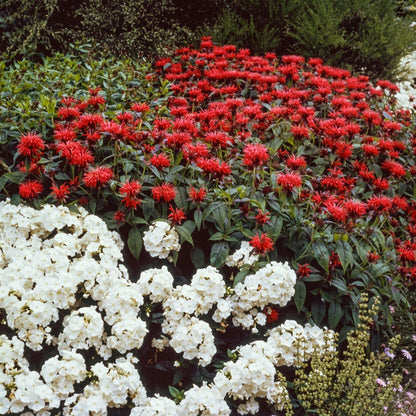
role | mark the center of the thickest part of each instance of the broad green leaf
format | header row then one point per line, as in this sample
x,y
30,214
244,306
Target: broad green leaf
x,y
219,253
134,242
198,218
138,220
344,251
300,295
239,278
14,177
197,257
184,234
321,254
339,284
318,311
335,313
181,198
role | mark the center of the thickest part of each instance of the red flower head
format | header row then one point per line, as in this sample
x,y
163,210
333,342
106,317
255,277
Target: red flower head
x,y
262,244
119,216
164,193
30,145
255,155
60,193
262,217
97,177
131,191
289,180
30,189
177,215
272,315
197,195
303,270
160,161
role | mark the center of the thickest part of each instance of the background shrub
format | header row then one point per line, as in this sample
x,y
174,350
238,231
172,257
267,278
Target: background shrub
x,y
126,27
363,35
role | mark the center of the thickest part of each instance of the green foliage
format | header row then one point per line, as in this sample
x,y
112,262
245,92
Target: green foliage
x,y
257,25
29,27
129,27
30,92
349,383
362,35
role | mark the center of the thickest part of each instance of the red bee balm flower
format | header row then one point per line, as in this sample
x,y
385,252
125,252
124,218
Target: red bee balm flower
x,y
30,189
303,270
289,180
164,193
30,145
197,196
255,155
97,177
262,244
60,193
176,215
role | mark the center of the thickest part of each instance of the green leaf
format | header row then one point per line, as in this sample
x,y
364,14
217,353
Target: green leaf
x,y
14,177
339,284
335,313
134,242
138,220
219,253
300,295
148,207
197,257
218,210
239,278
198,218
217,236
181,198
318,310
344,251
184,234
321,254
275,227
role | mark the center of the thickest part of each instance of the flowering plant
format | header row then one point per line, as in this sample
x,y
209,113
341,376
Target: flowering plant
x,y
252,180
80,336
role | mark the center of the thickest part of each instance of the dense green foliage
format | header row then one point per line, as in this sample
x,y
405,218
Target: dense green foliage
x,y
363,35
30,92
367,36
128,27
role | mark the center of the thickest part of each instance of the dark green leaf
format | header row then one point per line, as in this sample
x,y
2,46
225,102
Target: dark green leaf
x,y
339,284
300,295
344,251
219,253
239,278
321,254
14,177
134,242
184,234
197,257
198,218
318,310
335,313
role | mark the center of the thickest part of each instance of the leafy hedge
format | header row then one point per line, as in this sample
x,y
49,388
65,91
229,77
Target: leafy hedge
x,y
368,36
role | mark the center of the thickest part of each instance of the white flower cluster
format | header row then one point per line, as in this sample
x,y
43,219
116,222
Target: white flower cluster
x,y
190,335
407,95
272,284
60,269
245,255
253,374
291,341
51,259
160,239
